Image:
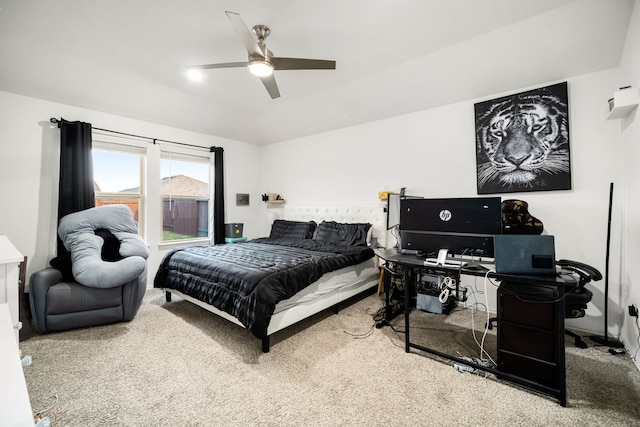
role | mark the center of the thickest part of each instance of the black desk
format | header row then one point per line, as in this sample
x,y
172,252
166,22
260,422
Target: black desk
x,y
530,334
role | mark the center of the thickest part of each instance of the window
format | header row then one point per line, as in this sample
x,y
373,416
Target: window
x,y
184,187
117,174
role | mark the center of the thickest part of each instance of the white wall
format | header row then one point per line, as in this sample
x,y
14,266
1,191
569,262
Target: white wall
x,y
29,164
432,154
629,147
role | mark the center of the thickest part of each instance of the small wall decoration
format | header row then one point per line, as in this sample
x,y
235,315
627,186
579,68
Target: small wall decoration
x,y
522,142
242,199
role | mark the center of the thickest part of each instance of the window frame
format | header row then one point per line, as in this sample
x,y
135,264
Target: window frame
x,y
104,143
186,155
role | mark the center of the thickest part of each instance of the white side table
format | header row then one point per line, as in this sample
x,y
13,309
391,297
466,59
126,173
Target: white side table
x,y
10,259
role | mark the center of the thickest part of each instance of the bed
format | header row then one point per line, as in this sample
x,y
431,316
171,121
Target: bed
x,y
314,258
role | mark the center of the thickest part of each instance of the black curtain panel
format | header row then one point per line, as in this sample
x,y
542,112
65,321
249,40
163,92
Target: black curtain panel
x,y
218,195
76,187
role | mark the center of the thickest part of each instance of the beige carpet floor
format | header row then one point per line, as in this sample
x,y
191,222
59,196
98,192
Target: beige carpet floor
x,y
177,365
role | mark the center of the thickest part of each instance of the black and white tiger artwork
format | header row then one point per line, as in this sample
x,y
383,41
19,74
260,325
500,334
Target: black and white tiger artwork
x,y
522,142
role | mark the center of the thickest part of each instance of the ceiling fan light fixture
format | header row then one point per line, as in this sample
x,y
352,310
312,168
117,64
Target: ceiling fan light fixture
x,y
260,67
195,75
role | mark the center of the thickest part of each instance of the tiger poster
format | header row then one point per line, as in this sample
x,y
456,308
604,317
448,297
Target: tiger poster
x,y
522,142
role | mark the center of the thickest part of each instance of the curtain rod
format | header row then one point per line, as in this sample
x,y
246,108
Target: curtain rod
x,y
154,140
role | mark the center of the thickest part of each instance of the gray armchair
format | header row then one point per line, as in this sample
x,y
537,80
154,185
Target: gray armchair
x,y
101,278
58,305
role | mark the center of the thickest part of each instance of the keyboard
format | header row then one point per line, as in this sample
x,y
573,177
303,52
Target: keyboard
x,y
454,263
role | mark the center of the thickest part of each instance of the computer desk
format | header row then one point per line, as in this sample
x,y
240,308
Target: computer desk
x,y
530,335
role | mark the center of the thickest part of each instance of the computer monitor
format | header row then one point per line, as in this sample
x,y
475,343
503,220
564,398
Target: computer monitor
x,y
393,211
457,226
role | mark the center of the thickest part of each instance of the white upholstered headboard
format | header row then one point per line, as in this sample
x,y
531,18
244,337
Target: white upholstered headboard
x,y
373,214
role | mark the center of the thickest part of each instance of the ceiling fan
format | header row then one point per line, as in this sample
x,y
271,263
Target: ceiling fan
x,y
261,61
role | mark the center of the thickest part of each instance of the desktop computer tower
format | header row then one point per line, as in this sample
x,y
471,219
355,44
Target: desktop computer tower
x,y
428,290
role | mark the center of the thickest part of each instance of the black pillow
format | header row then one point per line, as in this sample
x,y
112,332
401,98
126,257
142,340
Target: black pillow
x,y
343,233
62,263
111,247
282,229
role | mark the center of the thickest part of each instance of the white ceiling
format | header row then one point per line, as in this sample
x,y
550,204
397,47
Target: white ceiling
x,y
127,57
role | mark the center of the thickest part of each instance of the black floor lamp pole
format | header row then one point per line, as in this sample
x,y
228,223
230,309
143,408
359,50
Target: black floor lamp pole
x,y
605,340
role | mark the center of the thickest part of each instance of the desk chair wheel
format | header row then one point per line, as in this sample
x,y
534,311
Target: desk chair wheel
x,y
577,339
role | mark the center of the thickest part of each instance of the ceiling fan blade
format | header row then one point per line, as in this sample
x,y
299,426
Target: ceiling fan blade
x,y
246,36
269,82
223,65
302,64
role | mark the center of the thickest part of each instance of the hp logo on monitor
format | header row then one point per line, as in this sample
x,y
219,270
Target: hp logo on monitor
x,y
445,215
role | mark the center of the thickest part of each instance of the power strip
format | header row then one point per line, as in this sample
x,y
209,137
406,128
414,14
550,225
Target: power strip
x,y
461,367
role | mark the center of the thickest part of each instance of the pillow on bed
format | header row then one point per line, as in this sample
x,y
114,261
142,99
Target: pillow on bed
x,y
283,229
343,233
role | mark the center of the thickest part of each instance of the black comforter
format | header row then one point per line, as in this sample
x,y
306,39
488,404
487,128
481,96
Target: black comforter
x,y
247,280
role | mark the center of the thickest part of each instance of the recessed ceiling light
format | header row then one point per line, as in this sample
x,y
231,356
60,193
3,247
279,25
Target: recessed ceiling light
x,y
195,75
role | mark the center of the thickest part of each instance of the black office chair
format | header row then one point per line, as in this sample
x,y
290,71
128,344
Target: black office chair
x,y
577,296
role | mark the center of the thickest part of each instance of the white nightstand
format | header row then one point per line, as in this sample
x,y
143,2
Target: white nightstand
x,y
10,260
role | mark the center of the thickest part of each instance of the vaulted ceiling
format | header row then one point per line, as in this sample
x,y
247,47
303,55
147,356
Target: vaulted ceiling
x,y
128,57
